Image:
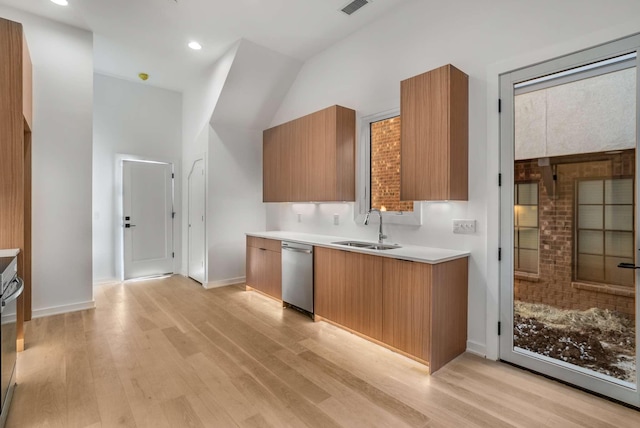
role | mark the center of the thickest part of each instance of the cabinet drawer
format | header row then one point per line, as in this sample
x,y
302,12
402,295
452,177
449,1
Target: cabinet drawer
x,y
264,243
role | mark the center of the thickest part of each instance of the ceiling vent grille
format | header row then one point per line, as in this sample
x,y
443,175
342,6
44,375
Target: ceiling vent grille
x,y
354,6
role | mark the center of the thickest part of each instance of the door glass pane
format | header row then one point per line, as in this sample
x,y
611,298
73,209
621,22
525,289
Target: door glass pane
x,y
590,216
590,242
574,223
618,217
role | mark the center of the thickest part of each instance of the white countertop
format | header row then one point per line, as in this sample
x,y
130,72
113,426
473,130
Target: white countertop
x,y
407,252
10,252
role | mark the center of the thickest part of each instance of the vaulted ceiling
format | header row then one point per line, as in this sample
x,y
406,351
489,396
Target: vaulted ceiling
x,y
151,36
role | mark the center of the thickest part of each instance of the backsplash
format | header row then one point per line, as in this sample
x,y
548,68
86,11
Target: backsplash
x,y
320,218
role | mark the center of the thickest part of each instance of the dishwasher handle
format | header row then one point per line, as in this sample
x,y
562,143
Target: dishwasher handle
x,y
297,250
13,296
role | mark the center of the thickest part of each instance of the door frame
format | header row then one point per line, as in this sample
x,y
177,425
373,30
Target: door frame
x,y
506,162
206,259
119,207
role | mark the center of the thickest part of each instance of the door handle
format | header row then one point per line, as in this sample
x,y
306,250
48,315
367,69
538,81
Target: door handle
x,y
127,225
628,266
297,250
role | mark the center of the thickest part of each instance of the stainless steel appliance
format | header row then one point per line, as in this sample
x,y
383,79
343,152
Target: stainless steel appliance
x,y
12,287
297,276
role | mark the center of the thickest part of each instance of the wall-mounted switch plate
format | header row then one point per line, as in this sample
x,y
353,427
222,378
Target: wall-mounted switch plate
x,y
464,226
299,218
336,219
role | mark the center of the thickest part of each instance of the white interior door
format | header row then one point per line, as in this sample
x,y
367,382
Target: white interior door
x,y
147,222
196,221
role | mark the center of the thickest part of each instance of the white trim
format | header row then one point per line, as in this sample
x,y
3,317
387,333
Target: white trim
x,y
363,182
63,309
476,348
105,281
205,254
224,282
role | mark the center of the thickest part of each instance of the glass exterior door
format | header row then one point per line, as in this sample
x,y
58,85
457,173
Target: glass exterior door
x,y
569,219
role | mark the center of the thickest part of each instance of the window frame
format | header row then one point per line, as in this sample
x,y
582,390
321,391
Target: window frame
x,y
363,191
515,269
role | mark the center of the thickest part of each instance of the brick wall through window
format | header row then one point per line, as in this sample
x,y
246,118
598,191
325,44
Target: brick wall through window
x,y
385,166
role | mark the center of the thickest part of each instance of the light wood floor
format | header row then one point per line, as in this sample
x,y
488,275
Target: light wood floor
x,y
167,353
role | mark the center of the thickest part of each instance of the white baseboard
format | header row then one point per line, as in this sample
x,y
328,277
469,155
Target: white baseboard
x,y
56,310
224,282
476,348
105,281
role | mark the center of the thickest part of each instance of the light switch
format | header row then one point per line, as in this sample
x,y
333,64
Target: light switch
x,y
464,226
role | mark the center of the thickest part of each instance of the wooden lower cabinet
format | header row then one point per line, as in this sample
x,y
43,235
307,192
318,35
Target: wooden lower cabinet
x,y
407,312
417,308
348,290
264,266
329,283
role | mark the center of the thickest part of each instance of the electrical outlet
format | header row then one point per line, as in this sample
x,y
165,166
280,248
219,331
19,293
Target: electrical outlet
x,y
299,218
336,219
464,226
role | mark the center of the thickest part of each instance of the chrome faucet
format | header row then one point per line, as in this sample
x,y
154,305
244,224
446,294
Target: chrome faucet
x,y
381,236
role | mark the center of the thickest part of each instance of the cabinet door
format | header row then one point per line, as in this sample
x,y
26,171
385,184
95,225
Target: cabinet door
x,y
273,274
256,268
434,135
363,294
329,284
298,147
321,174
275,166
407,309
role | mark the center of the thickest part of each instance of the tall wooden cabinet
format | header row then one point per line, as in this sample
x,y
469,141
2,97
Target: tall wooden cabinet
x,y
15,159
311,158
434,107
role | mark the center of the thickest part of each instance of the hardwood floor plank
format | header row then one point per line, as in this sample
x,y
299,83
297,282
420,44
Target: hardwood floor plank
x,y
376,396
179,413
168,353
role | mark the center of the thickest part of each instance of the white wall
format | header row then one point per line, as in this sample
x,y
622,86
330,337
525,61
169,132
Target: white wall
x,y
62,59
482,38
224,115
140,121
199,101
234,204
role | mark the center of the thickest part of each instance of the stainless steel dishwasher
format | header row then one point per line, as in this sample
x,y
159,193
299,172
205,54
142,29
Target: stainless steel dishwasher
x,y
297,276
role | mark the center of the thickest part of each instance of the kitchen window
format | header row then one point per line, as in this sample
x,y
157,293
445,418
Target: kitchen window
x,y
605,230
526,228
379,171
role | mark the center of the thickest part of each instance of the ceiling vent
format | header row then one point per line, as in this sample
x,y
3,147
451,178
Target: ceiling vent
x,y
354,6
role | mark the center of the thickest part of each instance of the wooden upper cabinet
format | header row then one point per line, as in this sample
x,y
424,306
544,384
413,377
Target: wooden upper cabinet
x,y
434,107
311,158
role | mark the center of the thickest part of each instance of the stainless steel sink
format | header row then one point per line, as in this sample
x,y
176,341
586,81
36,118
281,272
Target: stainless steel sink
x,y
368,245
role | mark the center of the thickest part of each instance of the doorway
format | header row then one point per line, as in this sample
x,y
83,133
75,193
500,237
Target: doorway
x,y
196,222
147,223
569,219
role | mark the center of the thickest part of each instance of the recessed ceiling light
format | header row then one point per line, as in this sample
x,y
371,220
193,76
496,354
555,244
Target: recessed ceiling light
x,y
195,46
60,2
